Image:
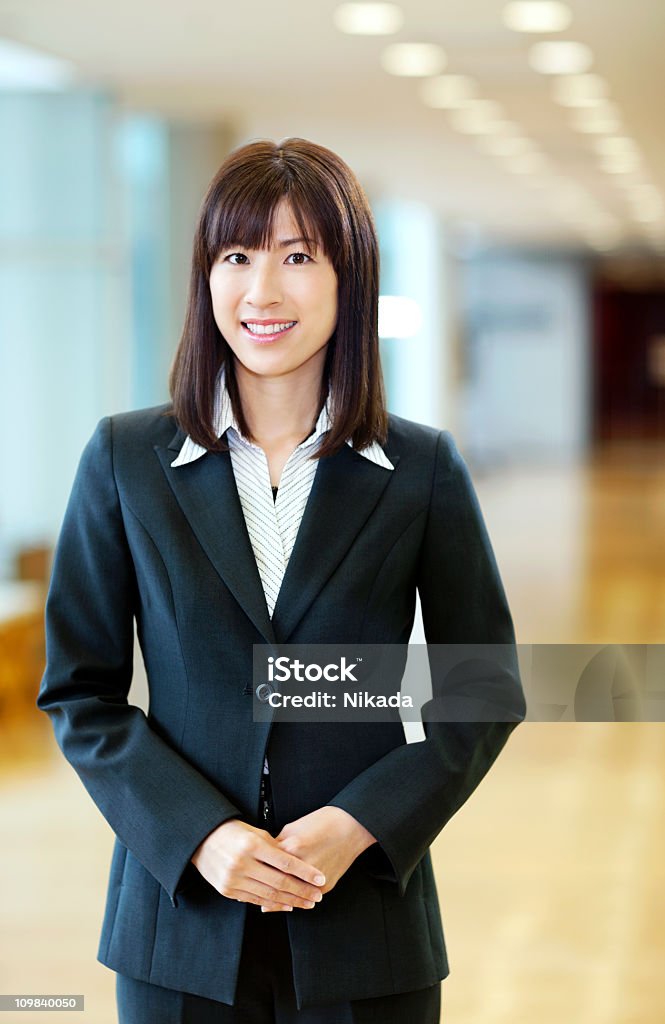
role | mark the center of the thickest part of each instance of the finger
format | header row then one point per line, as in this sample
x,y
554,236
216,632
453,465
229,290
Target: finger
x,y
279,894
290,864
243,896
269,876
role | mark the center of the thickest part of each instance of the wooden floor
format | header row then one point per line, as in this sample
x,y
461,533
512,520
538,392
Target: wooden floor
x,y
551,878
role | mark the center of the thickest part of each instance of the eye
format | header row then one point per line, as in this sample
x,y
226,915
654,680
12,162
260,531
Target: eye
x,y
230,259
304,254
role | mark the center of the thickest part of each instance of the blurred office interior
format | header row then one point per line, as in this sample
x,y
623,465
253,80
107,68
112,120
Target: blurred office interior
x,y
514,158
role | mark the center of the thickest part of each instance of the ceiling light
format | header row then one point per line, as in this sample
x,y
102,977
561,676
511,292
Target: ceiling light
x,y
368,19
470,122
614,145
510,145
604,241
489,109
637,182
537,16
645,201
632,184
648,213
413,59
557,57
480,117
525,163
448,91
579,90
473,125
601,232
644,193
595,123
23,68
620,163
569,194
604,108
574,193
503,128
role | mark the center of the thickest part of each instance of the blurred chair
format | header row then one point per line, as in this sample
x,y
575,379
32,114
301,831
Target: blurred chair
x,y
22,642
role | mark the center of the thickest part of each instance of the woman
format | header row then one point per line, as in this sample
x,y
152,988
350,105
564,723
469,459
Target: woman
x,y
270,870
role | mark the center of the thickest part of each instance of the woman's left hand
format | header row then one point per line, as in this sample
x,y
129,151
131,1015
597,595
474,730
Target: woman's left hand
x,y
330,838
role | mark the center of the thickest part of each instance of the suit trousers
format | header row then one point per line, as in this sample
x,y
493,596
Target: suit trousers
x,y
265,992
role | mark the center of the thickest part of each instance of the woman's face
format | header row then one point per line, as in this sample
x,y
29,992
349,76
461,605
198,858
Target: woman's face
x,y
289,284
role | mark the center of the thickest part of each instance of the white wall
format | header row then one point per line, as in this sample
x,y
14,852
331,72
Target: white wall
x,y
525,357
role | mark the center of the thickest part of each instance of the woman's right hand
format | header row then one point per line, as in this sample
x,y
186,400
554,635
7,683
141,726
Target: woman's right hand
x,y
246,863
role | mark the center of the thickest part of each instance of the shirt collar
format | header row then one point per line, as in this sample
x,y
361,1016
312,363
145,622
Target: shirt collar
x,y
224,418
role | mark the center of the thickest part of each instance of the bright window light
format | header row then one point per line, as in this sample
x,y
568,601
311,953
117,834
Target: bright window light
x,y
413,59
368,19
399,317
448,91
537,16
557,57
23,68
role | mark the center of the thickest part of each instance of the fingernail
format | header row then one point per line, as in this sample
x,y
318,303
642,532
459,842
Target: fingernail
x,y
318,897
263,910
319,879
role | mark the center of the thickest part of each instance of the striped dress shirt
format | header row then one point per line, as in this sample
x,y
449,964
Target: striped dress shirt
x,y
272,520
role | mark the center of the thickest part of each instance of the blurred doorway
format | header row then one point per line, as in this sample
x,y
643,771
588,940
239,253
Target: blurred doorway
x,y
629,361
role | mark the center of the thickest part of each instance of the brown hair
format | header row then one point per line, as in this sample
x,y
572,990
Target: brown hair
x,y
329,205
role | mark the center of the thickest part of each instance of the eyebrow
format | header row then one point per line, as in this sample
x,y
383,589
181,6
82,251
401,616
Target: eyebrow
x,y
283,242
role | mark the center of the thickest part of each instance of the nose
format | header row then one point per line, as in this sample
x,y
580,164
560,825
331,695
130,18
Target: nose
x,y
263,286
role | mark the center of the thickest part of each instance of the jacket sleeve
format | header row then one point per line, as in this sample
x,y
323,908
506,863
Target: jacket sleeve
x,y
155,801
406,797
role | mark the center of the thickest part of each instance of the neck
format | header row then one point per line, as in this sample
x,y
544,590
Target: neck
x,y
280,410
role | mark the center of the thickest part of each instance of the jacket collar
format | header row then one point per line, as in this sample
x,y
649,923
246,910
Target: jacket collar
x,y
224,418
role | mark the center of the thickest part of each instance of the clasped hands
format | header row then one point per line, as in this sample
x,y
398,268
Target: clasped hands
x,y
294,869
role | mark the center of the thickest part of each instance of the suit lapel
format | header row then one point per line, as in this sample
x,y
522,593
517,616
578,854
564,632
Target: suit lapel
x,y
345,491
206,492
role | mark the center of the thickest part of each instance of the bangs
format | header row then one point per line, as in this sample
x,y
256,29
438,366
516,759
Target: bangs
x,y
244,217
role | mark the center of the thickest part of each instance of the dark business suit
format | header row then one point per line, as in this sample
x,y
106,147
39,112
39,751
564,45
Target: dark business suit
x,y
170,547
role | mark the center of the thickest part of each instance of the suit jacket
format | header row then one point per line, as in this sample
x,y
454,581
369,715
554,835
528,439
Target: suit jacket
x,y
169,547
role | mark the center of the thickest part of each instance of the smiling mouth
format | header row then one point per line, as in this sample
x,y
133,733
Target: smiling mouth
x,y
269,332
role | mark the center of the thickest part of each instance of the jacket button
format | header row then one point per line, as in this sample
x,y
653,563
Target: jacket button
x,y
263,691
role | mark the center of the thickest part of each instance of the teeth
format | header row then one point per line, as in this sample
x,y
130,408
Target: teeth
x,y
269,328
